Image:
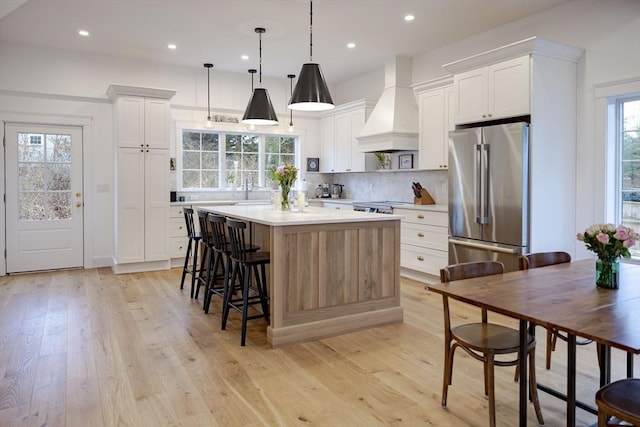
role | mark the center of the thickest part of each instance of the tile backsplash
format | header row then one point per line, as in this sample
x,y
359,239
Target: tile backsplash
x,y
376,185
384,185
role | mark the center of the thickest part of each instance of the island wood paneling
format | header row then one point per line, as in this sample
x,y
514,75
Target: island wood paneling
x,y
333,278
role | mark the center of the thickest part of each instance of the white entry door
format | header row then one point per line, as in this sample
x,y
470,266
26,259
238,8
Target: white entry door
x,y
44,217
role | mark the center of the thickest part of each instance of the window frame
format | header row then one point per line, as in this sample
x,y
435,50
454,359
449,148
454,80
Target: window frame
x,y
222,131
608,132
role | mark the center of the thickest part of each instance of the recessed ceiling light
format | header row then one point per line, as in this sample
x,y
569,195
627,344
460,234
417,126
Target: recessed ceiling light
x,y
351,45
409,18
244,57
83,33
172,46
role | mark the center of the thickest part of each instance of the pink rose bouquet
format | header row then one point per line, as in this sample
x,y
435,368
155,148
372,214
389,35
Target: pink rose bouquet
x,y
609,241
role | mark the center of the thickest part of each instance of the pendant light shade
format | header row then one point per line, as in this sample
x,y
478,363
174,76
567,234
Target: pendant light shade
x,y
260,111
208,123
311,92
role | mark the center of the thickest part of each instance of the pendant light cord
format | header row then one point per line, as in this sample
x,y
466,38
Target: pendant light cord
x,y
208,96
260,53
310,30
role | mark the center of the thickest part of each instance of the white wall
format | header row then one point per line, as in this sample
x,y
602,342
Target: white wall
x,y
63,85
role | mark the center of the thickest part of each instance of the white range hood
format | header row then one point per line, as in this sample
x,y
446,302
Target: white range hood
x,y
393,123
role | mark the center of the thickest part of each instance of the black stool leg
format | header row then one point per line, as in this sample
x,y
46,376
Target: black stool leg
x,y
195,266
228,293
262,286
186,263
203,275
245,303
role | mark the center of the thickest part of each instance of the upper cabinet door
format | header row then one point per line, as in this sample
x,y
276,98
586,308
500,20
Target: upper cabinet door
x,y
493,92
327,144
471,95
143,122
509,88
156,123
130,111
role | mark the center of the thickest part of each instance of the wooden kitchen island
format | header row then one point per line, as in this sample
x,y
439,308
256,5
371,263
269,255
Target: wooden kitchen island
x,y
332,271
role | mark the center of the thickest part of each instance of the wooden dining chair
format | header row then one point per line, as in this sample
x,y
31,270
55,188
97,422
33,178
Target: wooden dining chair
x,y
483,340
621,400
543,259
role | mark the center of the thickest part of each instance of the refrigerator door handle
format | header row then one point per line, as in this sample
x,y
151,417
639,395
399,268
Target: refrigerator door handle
x,y
478,208
484,219
489,247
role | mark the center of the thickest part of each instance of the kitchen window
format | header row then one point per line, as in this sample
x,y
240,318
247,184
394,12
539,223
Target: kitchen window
x,y
628,162
215,160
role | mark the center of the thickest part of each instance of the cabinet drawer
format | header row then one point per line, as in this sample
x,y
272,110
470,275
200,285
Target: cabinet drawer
x,y
177,227
439,219
176,212
178,247
426,236
423,260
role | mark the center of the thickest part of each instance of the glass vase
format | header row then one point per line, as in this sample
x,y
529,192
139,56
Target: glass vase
x,y
607,272
285,203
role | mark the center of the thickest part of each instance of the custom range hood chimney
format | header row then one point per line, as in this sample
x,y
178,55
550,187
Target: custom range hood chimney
x,y
393,123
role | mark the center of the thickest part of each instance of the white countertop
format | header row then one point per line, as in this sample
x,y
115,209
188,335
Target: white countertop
x,y
221,202
267,215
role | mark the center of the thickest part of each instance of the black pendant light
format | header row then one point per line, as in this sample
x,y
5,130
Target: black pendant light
x,y
311,92
259,111
291,77
208,123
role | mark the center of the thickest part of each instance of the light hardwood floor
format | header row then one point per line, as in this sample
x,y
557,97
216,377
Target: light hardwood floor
x,y
89,348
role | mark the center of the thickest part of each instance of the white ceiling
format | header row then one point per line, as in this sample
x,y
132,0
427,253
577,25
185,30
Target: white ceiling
x,y
219,31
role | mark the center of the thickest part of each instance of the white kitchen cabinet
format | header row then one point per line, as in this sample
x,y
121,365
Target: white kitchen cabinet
x,y
423,240
337,205
142,121
339,146
436,107
493,92
142,205
177,233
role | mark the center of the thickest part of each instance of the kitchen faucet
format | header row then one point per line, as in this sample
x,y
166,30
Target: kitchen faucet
x,y
248,177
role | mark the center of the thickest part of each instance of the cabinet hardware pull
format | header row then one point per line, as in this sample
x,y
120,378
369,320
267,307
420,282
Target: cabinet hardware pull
x,y
420,216
78,194
420,234
180,228
484,116
420,258
78,205
489,115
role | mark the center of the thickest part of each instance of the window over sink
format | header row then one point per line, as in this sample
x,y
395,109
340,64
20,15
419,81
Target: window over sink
x,y
219,160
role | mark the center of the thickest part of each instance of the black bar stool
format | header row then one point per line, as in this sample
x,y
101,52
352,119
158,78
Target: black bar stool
x,y
207,246
242,263
192,250
218,259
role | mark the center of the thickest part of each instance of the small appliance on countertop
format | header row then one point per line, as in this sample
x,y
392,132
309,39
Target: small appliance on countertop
x,y
326,190
336,191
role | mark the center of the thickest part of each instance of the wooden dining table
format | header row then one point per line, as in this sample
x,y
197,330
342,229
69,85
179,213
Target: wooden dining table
x,y
562,297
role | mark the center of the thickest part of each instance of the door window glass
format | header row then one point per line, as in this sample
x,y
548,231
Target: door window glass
x,y
44,177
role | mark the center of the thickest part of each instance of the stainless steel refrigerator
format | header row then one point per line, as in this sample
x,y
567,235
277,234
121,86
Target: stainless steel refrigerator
x,y
488,194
